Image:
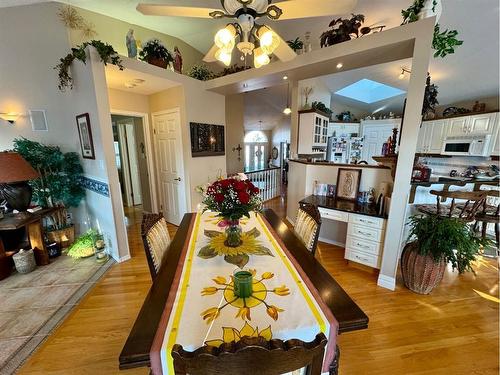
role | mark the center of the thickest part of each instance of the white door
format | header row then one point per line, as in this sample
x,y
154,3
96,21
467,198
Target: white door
x,y
435,136
374,138
168,144
481,124
457,126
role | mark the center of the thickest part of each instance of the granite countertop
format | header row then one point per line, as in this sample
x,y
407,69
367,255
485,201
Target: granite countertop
x,y
343,205
460,181
330,163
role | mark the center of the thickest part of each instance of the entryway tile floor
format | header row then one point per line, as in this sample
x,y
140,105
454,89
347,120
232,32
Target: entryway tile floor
x,y
32,305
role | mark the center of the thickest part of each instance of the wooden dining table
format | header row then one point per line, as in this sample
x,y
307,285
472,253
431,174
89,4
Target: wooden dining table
x,y
136,351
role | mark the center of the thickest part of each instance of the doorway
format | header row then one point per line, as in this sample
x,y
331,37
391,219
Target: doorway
x,y
132,161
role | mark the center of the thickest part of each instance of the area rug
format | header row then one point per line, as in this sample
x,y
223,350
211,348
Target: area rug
x,y
33,305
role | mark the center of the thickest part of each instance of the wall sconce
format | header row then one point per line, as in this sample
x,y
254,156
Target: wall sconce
x,y
404,70
9,116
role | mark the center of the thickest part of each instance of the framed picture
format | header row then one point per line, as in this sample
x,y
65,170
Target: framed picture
x,y
207,140
86,142
330,193
348,183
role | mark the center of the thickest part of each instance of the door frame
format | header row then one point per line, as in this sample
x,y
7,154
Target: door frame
x,y
146,128
177,110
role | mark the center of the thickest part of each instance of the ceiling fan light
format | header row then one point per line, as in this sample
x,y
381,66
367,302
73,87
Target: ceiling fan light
x,y
268,39
260,58
223,56
224,38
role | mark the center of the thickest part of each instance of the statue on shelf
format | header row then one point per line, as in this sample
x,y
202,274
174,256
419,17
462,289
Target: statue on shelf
x,y
177,60
131,44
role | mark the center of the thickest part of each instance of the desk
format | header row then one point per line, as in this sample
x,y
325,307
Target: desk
x,y
365,227
135,353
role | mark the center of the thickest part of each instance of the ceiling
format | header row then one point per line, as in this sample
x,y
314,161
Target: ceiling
x,y
135,82
265,105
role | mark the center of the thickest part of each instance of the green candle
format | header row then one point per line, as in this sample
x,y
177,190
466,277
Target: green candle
x,y
243,281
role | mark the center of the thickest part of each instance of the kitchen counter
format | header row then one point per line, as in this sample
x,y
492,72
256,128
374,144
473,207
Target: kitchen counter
x,y
451,181
342,205
329,163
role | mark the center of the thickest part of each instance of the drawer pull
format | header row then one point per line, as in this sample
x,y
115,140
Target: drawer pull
x,y
363,246
363,259
364,233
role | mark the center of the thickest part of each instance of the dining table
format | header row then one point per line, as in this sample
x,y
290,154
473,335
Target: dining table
x,y
291,292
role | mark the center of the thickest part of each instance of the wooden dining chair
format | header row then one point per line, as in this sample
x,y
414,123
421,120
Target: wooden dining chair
x,y
490,214
252,355
156,240
474,200
307,225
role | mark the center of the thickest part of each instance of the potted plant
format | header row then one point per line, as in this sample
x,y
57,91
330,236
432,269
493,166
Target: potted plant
x,y
201,72
85,245
155,53
342,30
430,99
320,106
58,186
435,242
297,45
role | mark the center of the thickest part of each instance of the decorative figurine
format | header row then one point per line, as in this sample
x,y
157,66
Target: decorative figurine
x,y
177,60
131,44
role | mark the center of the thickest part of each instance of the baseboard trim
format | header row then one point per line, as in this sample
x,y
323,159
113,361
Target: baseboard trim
x,y
124,258
386,282
331,242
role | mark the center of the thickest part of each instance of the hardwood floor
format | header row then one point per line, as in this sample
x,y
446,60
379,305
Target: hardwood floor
x,y
452,331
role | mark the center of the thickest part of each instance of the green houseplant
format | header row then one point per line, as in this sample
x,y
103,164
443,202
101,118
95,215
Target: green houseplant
x,y
342,30
320,106
58,186
201,72
296,44
434,242
155,53
106,52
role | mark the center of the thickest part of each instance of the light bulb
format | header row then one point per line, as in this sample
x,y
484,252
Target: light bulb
x,y
287,111
260,58
224,39
402,75
268,39
223,56
340,65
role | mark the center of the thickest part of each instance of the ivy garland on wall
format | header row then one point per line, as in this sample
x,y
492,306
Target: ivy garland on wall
x,y
105,51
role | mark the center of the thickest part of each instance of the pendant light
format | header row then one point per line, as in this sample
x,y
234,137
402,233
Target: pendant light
x,y
287,110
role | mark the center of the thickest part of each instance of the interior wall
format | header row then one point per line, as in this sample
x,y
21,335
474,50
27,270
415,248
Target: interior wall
x,y
492,104
128,101
280,133
321,93
235,132
114,31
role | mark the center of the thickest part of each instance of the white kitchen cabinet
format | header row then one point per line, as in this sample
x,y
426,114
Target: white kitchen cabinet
x,y
495,138
313,131
375,133
431,136
343,128
480,124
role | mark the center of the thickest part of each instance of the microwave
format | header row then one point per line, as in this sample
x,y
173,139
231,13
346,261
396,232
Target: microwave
x,y
466,145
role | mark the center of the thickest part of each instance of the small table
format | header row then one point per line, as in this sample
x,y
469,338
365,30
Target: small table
x,y
136,351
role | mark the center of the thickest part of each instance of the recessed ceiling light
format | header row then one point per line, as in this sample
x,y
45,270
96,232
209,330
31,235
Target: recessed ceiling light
x,y
138,80
130,85
285,77
287,111
340,65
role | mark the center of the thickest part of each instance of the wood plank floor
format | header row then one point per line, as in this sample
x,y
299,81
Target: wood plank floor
x,y
452,331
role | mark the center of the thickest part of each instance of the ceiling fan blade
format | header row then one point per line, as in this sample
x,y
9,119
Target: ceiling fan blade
x,y
177,11
284,52
210,56
294,9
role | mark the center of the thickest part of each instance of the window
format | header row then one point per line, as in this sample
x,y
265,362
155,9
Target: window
x,y
255,150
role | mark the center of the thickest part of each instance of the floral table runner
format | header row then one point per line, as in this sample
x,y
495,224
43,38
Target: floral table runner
x,y
202,309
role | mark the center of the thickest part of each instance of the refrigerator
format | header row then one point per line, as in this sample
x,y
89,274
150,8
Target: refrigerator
x,y
344,149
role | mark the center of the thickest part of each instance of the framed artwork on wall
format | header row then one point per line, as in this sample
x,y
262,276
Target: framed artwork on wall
x,y
85,133
348,181
207,140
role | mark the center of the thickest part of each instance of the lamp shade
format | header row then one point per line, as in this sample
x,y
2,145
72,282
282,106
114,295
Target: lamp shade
x,y
13,168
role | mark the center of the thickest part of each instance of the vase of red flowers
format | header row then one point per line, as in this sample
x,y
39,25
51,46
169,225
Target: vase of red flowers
x,y
233,198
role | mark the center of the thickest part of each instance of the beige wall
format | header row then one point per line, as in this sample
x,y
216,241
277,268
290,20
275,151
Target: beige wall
x,y
113,31
235,132
492,104
127,101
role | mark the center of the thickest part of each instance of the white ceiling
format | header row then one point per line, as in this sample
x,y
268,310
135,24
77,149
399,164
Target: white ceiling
x,y
136,82
265,105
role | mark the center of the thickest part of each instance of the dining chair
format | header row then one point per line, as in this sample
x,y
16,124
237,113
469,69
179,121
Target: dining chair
x,y
156,240
252,355
490,214
307,225
474,200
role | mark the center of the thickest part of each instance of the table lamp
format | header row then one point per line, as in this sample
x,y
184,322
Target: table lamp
x,y
14,174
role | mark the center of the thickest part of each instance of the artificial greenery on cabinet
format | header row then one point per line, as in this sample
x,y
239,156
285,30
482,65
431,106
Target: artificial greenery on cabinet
x,y
106,52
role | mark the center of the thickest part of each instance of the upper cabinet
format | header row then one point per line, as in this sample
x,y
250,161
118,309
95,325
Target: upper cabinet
x,y
313,132
481,124
495,138
431,136
343,128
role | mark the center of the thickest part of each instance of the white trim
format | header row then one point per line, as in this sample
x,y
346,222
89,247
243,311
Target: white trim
x,y
331,242
149,151
386,282
124,258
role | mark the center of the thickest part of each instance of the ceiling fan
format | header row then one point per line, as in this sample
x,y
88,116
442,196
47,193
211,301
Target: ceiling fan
x,y
254,39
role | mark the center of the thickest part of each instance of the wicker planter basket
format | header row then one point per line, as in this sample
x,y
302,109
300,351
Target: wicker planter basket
x,y
158,62
420,273
64,237
24,261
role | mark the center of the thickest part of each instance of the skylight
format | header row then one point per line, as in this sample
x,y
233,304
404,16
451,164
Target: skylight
x,y
368,91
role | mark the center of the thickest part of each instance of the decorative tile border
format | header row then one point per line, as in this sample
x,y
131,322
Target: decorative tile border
x,y
96,186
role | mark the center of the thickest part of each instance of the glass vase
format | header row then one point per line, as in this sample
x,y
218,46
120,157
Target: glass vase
x,y
233,234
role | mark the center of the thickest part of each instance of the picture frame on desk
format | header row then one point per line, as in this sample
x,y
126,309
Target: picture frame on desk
x,y
348,182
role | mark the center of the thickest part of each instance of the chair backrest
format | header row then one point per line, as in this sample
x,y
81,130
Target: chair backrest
x,y
156,240
307,225
495,195
251,355
474,201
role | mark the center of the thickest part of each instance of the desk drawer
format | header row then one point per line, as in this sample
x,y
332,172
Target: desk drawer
x,y
370,247
366,233
327,213
369,221
363,258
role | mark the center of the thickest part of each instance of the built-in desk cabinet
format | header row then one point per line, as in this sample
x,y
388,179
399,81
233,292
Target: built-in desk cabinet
x,y
365,236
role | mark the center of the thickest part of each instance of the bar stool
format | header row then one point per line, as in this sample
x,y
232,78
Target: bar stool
x,y
490,214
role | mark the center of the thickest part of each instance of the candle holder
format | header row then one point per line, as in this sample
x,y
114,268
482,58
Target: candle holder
x,y
243,283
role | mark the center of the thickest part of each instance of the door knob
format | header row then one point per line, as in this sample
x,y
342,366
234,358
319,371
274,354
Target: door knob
x,y
177,179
